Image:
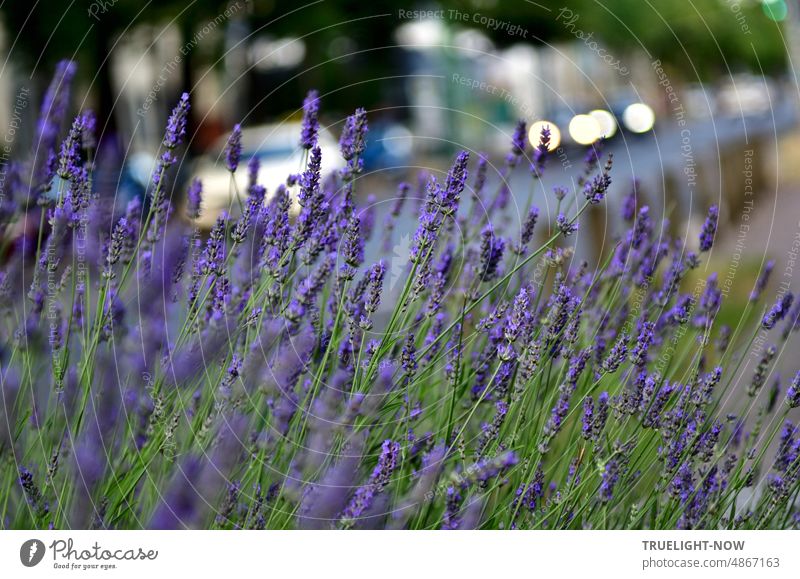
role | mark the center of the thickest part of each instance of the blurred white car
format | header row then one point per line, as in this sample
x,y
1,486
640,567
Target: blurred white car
x,y
277,148
745,94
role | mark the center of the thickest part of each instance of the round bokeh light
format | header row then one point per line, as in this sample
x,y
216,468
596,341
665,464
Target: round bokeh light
x,y
584,129
639,118
607,122
535,132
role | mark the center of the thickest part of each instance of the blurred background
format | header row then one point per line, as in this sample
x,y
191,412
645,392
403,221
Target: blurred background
x,y
696,99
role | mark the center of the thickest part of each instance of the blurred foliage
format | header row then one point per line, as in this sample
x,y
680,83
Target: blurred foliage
x,y
349,41
702,38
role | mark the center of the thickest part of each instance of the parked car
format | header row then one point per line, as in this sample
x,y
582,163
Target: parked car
x,y
277,149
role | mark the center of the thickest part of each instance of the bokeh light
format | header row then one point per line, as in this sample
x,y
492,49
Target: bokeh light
x,y
639,118
607,122
536,131
584,129
775,9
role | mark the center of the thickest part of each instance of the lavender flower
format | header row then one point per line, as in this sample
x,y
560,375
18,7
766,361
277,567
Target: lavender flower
x,y
70,164
353,247
33,495
703,391
629,203
792,321
310,127
381,476
454,186
194,199
617,354
233,148
121,236
480,176
778,311
529,495
253,166
353,142
373,298
52,113
408,358
642,228
557,415
793,392
601,416
760,375
761,282
653,415
595,190
440,202
526,233
709,228
489,468
451,519
588,417
519,318
519,141
490,431
541,151
610,478
566,226
643,342
176,126
492,249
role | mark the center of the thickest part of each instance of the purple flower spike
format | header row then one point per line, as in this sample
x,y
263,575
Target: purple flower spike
x,y
194,199
629,203
762,281
310,128
609,480
541,151
439,203
646,335
52,112
373,297
588,417
353,247
233,149
456,179
793,392
520,139
176,126
709,228
69,166
778,311
380,478
526,233
617,354
595,190
374,288
492,249
352,142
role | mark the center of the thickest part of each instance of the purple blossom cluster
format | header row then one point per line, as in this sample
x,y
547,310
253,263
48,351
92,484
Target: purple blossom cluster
x,y
267,374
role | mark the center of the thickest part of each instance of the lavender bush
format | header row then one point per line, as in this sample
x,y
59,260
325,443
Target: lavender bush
x,y
263,376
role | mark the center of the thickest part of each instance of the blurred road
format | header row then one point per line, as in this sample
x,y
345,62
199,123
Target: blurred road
x,y
681,171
